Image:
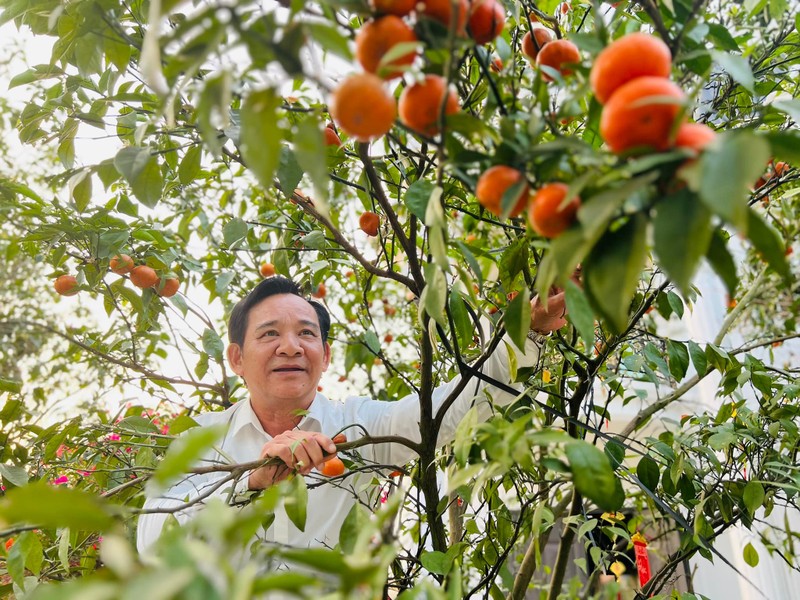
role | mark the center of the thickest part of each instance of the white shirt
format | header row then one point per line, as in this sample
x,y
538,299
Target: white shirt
x,y
245,438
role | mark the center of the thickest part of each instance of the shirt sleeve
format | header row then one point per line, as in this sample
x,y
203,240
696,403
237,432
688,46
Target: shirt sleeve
x,y
401,418
182,501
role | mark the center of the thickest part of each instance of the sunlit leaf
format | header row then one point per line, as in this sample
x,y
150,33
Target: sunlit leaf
x,y
593,476
45,505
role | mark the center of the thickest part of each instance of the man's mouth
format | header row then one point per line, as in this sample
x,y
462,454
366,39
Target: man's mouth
x,y
288,370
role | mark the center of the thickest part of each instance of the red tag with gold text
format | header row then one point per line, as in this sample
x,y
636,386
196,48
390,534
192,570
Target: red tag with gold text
x,y
642,560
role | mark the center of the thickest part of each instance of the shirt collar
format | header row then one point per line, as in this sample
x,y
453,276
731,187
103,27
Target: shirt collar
x,y
243,416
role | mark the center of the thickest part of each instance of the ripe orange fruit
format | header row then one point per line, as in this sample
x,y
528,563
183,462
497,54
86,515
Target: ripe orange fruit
x,y
557,55
363,107
547,213
388,338
565,7
333,467
320,292
267,269
66,285
420,104
442,11
331,137
339,438
379,36
641,113
393,7
144,276
121,264
781,168
167,288
496,65
369,223
631,56
486,20
694,137
533,41
494,183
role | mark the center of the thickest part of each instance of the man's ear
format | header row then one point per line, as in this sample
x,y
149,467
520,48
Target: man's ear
x,y
234,352
327,358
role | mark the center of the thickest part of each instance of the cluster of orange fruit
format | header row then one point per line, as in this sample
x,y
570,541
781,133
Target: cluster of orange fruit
x,y
642,108
386,47
541,49
142,276
550,212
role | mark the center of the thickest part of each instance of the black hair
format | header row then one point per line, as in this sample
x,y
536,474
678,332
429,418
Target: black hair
x,y
271,286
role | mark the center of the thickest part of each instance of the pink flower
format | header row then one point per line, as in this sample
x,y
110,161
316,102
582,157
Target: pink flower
x,y
61,480
114,437
165,429
60,451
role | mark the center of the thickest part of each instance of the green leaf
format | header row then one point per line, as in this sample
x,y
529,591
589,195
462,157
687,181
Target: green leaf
x,y
682,232
213,107
44,505
462,322
433,299
289,170
753,496
728,170
296,503
737,67
698,358
329,38
372,342
182,454
579,312
142,171
648,473
137,424
750,555
260,135
517,317
722,262
678,357
785,145
189,168
593,476
721,440
31,549
612,270
212,344
234,232
321,559
417,196
355,524
8,385
769,244
615,453
723,38
14,475
311,152
436,562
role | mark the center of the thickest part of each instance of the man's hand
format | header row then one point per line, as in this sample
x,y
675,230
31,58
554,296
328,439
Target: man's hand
x,y
299,452
548,316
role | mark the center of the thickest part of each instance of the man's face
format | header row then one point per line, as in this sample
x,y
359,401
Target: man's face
x,y
283,356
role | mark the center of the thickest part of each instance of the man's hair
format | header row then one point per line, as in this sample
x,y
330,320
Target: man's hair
x,y
271,286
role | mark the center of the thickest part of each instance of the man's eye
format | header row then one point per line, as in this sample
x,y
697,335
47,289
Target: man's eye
x,y
308,332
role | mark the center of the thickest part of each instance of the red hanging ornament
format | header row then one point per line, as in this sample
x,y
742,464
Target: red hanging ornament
x,y
642,560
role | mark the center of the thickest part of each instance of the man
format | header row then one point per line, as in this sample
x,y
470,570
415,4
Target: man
x,y
279,346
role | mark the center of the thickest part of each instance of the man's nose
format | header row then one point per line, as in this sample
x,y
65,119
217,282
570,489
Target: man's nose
x,y
290,344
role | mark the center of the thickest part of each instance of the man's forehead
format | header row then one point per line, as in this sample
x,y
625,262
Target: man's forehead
x,y
284,308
